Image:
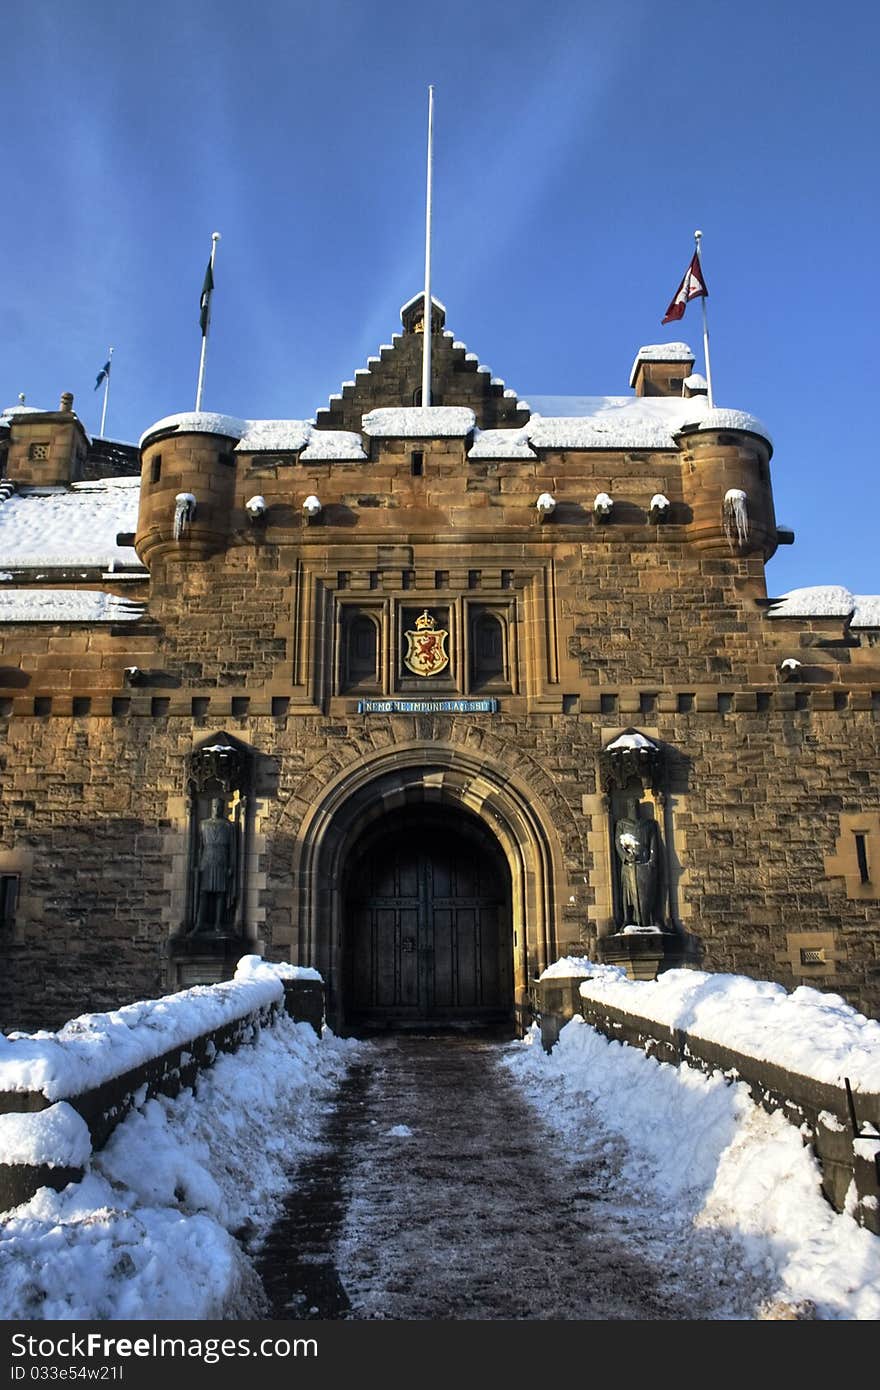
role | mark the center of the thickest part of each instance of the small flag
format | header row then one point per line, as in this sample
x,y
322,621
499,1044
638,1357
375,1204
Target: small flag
x,y
205,301
103,374
693,286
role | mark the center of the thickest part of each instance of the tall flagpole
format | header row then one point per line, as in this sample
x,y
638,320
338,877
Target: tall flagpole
x,y
106,392
215,237
698,237
428,319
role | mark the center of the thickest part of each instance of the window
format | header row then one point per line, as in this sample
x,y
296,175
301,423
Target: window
x,y
417,463
862,857
38,451
155,468
361,650
487,649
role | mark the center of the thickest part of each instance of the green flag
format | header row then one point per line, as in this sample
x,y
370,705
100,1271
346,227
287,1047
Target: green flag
x,y
205,301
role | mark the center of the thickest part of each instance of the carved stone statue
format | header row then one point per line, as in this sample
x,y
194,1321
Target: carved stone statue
x,y
641,868
216,870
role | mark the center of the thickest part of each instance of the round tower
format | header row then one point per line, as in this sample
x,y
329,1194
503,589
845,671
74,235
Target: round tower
x,y
726,483
187,486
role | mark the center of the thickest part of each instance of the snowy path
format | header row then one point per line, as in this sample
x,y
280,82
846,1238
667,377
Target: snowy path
x,y
475,1214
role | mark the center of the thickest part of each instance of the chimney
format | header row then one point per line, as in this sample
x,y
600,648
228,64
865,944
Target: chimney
x,y
660,369
66,406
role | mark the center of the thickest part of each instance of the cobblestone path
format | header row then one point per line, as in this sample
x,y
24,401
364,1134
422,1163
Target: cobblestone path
x,y
472,1214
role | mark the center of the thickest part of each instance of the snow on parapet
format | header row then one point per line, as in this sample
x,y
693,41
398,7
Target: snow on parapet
x,y
333,444
43,528
660,352
419,422
57,1137
271,436
867,611
628,422
197,422
814,1034
506,444
66,606
94,1048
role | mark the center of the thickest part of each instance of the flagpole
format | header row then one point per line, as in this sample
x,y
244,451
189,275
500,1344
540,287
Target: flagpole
x,y
427,322
106,392
698,237
215,237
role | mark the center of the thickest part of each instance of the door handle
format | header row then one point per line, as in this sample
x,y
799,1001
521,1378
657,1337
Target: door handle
x,y
408,945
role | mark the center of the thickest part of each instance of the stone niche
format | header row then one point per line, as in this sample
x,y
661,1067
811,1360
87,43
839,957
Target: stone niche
x,y
214,932
646,938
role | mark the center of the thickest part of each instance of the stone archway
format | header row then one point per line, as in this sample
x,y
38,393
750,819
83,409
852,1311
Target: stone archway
x,y
447,778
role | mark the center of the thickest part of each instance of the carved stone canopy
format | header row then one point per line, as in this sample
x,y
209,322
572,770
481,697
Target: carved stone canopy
x,y
632,756
222,761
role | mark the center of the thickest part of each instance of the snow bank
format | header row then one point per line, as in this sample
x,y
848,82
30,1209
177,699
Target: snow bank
x,y
147,1233
93,1048
814,1034
715,1176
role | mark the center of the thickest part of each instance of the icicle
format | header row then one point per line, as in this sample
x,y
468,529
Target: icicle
x,y
184,511
736,517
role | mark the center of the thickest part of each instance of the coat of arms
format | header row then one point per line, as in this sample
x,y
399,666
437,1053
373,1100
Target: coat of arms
x,y
426,647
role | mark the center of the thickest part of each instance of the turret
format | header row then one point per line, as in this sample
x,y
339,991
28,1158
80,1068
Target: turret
x,y
187,486
726,483
47,448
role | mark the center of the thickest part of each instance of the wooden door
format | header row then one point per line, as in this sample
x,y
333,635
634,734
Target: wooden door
x,y
427,920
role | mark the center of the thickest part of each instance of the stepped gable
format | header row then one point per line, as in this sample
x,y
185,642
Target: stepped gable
x,y
394,378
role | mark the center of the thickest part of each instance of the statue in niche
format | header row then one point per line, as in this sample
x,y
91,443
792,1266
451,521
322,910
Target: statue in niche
x,y
216,871
640,856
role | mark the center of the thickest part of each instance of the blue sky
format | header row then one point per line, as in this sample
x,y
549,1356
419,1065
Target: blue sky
x,y
578,146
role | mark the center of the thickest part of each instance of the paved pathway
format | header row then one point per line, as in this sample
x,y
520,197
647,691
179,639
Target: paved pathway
x,y
473,1215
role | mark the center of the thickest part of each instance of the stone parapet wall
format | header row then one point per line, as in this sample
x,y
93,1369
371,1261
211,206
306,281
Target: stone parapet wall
x,y
105,1106
821,1109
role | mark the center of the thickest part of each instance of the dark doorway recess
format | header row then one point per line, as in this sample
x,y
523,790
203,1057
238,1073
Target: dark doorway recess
x,y
427,925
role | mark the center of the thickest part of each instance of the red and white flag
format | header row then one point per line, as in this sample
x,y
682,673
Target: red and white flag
x,y
693,286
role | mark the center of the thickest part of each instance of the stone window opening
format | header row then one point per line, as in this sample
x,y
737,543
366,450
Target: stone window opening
x,y
862,856
417,463
488,650
38,451
360,657
155,468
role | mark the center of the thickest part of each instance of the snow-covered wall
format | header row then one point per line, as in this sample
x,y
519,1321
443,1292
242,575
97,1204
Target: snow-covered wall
x,y
79,1083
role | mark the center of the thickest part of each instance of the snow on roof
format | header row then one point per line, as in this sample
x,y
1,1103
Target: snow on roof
x,y
696,382
274,436
66,606
197,422
69,526
721,419
828,601
333,444
419,422
661,352
415,299
496,444
817,601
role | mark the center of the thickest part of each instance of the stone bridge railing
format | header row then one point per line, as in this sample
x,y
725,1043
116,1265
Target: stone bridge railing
x,y
843,1129
62,1094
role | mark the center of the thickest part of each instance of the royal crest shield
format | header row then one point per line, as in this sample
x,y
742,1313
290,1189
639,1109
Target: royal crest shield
x,y
426,653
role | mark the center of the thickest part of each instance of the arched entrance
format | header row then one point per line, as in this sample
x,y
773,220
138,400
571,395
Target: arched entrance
x,y
427,922
328,826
